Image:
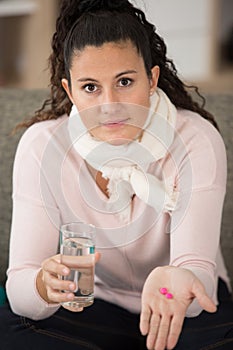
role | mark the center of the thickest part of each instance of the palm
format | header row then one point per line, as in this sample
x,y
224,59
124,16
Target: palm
x,y
162,318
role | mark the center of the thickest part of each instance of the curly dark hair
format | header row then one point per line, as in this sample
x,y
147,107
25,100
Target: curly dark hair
x,y
95,22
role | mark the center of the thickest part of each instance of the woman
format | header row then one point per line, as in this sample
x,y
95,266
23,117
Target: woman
x,y
122,146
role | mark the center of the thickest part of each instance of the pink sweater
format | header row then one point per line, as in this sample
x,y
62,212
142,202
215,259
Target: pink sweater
x,y
52,185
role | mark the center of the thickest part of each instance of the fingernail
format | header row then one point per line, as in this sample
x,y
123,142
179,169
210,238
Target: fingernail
x,y
65,271
72,286
70,296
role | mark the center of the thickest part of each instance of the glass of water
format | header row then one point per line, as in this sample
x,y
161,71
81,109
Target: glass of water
x,y
77,248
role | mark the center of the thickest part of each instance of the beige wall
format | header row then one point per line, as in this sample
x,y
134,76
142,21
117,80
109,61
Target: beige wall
x,y
25,41
25,46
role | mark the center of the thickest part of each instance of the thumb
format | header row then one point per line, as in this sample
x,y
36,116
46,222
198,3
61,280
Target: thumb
x,y
204,300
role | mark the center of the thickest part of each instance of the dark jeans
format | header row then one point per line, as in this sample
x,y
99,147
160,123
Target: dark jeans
x,y
104,326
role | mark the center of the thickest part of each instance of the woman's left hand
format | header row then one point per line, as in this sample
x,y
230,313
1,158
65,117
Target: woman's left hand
x,y
161,318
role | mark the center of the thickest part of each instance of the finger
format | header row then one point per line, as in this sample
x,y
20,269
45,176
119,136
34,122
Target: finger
x,y
145,320
55,283
153,331
57,296
203,299
53,266
206,303
55,288
73,309
175,330
163,331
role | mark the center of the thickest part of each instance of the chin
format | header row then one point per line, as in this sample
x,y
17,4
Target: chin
x,y
118,141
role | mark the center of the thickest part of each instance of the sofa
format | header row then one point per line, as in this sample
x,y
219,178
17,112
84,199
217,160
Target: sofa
x,y
16,104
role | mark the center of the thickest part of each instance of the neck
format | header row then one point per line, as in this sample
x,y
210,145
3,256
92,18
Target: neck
x,y
101,182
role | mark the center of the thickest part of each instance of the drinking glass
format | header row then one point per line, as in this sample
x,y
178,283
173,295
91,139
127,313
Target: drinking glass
x,y
77,248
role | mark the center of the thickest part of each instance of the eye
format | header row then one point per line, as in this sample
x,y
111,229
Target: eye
x,y
90,88
125,82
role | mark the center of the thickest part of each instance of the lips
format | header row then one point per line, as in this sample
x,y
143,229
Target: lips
x,y
112,123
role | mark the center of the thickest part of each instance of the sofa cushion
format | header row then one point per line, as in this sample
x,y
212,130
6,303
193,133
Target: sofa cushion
x,y
221,105
15,105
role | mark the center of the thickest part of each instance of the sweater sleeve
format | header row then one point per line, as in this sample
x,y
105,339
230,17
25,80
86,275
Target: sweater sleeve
x,y
34,230
196,223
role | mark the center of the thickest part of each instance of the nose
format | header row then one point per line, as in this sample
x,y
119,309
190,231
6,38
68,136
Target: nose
x,y
109,102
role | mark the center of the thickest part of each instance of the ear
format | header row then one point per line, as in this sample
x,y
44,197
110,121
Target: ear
x,y
154,78
65,85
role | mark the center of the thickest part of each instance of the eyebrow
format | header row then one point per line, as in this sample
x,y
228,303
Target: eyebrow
x,y
131,71
126,72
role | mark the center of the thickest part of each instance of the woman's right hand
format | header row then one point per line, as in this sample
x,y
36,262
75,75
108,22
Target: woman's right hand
x,y
50,285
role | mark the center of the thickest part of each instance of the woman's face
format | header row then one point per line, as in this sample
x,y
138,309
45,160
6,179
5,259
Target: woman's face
x,y
111,90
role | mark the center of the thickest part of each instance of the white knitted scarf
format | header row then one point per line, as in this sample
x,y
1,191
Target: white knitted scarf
x,y
126,165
